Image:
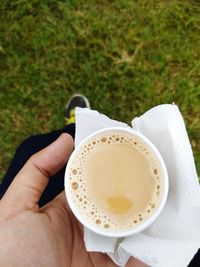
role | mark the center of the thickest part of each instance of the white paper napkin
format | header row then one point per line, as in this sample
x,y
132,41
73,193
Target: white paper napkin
x,y
174,238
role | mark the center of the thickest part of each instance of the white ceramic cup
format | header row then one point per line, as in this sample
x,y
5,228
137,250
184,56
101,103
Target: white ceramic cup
x,y
163,176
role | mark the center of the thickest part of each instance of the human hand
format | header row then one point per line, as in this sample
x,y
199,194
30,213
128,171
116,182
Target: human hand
x,y
49,236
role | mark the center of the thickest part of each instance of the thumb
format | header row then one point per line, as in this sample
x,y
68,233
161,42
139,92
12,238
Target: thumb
x,y
27,187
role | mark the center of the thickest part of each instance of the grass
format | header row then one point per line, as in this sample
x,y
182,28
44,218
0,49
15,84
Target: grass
x,y
126,56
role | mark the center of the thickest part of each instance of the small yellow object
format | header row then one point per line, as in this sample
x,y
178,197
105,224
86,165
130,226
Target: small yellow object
x,y
119,204
71,119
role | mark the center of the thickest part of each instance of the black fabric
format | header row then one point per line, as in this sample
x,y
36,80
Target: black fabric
x,y
196,260
56,184
29,147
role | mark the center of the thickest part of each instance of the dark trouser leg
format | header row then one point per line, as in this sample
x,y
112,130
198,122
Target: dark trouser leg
x,y
196,260
29,147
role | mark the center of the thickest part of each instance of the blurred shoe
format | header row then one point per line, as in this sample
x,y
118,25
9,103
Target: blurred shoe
x,y
76,101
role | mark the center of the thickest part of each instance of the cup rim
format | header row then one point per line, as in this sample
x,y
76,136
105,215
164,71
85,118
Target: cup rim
x,y
149,220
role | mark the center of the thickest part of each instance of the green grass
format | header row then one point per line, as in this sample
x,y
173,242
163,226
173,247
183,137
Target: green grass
x,y
126,56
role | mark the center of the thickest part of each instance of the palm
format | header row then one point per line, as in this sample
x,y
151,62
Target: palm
x,y
56,230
